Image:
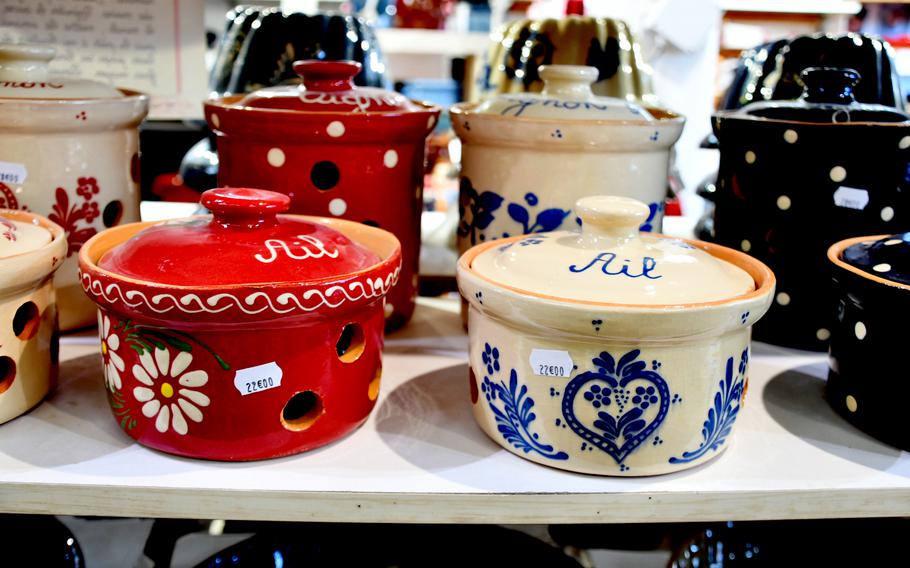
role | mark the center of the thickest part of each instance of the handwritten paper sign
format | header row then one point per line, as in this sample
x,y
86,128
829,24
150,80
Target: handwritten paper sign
x,y
153,46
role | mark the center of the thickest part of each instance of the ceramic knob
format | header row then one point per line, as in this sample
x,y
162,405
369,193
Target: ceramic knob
x,y
829,84
609,217
327,75
568,81
244,207
24,62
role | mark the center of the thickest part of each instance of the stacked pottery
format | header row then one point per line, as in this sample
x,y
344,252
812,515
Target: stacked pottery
x,y
610,351
69,151
797,176
31,250
871,293
245,335
334,149
528,157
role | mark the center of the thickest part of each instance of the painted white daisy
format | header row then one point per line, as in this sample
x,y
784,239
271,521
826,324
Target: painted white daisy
x,y
168,393
112,363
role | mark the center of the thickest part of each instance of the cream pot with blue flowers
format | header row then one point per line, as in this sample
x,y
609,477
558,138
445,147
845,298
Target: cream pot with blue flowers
x,y
608,350
527,157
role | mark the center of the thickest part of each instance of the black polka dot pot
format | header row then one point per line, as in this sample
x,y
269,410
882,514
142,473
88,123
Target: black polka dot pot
x,y
797,176
871,278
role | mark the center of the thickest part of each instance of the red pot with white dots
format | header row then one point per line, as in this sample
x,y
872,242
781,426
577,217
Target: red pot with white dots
x,y
356,153
243,335
68,151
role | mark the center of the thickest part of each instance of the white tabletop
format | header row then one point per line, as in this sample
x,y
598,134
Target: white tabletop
x,y
421,458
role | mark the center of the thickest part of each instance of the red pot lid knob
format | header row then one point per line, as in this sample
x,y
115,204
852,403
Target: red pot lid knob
x,y
244,207
327,76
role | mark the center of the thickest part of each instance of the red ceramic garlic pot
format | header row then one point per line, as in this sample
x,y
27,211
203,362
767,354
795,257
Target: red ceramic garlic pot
x,y
335,149
243,335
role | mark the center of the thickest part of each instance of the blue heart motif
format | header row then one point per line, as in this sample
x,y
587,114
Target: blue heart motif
x,y
621,404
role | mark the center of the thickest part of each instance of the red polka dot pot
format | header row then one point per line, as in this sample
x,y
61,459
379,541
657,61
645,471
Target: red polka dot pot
x,y
350,152
68,151
244,335
31,250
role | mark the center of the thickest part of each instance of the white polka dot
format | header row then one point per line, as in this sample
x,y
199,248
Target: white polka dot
x,y
822,334
887,214
892,242
389,309
790,136
390,159
851,403
216,122
783,203
431,122
783,298
750,157
860,330
745,245
338,206
276,157
838,174
904,143
335,129
883,267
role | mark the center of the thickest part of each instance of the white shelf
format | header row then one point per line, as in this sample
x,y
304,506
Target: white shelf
x,y
832,7
400,41
421,458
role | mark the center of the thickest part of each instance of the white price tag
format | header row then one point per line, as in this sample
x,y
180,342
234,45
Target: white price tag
x,y
13,173
551,363
851,198
259,378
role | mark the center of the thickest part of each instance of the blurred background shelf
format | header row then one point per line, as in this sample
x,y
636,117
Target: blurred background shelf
x,y
421,458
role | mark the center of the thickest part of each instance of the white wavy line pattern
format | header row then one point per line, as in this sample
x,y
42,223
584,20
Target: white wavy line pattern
x,y
251,304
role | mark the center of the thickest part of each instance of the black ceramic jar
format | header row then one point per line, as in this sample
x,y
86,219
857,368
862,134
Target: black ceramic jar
x,y
872,289
797,176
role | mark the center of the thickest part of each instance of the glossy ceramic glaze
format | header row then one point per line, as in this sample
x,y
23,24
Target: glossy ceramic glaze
x,y
603,387
796,177
239,366
74,159
527,158
871,278
521,47
31,250
346,152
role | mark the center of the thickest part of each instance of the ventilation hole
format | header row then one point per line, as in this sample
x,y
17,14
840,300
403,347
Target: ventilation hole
x,y
350,343
325,175
302,411
371,223
112,214
7,373
373,389
26,321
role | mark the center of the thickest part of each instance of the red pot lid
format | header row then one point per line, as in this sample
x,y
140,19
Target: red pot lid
x,y
328,86
245,241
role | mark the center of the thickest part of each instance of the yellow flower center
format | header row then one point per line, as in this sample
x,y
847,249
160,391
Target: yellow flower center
x,y
104,347
167,391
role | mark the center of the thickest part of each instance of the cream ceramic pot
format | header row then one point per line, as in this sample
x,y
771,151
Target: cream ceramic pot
x,y
31,249
68,151
527,157
610,351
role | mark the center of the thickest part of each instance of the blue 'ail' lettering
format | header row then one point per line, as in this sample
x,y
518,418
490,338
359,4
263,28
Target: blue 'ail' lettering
x,y
609,266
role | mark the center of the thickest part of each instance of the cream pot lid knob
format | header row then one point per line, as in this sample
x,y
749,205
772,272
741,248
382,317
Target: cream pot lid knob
x,y
25,74
610,262
610,220
568,81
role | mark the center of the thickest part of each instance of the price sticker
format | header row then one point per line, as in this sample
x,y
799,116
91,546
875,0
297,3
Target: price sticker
x,y
851,198
551,363
259,378
13,173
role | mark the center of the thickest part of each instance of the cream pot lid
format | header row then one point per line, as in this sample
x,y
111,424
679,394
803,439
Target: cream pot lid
x,y
24,74
610,261
566,95
18,236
